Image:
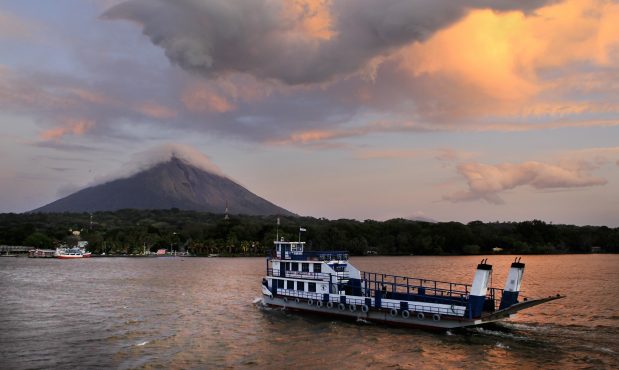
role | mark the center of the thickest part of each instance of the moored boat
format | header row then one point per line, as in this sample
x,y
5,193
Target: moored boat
x,y
326,282
41,253
72,253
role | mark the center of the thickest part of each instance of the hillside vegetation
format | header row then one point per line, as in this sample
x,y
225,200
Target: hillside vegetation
x,y
133,231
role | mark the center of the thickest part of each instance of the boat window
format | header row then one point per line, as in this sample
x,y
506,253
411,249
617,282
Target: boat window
x,y
280,284
317,267
290,284
311,287
295,266
300,285
305,267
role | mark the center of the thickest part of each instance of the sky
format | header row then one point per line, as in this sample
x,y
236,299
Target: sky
x,y
449,110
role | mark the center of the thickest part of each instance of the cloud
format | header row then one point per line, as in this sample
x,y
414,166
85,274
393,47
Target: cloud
x,y
12,26
74,127
203,99
320,73
67,147
154,110
486,182
391,154
149,158
495,62
296,42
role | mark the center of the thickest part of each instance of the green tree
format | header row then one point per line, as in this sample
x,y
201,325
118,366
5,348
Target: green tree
x,y
39,240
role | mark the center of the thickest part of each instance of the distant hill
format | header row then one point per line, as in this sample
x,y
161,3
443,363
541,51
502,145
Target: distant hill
x,y
171,184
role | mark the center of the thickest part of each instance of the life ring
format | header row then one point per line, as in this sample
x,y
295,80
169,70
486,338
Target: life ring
x,y
319,303
310,302
365,308
453,308
420,316
297,300
285,299
436,317
352,307
393,312
329,304
341,306
406,314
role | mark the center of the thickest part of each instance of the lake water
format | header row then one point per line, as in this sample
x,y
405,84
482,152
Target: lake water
x,y
202,313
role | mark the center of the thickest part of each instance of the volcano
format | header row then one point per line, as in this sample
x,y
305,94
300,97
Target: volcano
x,y
175,183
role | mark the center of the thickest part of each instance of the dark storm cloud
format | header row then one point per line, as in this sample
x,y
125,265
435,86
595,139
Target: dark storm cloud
x,y
253,36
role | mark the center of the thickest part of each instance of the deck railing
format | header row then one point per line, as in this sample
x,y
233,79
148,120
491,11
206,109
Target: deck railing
x,y
359,301
314,256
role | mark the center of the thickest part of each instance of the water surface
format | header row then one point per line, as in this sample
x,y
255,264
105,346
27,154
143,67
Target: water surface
x,y
202,313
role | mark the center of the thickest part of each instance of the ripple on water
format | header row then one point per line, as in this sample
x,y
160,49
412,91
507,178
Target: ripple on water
x,y
205,313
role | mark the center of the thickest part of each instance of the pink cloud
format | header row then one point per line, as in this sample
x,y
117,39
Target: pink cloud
x,y
391,153
154,110
486,182
74,127
203,99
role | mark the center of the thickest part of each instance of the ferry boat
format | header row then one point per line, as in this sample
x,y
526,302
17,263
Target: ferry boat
x,y
325,282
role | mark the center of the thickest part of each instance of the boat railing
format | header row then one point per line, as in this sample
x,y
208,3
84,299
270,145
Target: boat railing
x,y
494,295
359,301
420,308
298,274
412,285
299,294
315,256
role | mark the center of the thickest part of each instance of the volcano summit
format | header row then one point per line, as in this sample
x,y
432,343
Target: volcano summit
x,y
174,183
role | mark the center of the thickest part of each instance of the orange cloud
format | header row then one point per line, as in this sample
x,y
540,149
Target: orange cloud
x,y
312,17
75,127
391,153
90,96
202,99
155,110
311,136
500,54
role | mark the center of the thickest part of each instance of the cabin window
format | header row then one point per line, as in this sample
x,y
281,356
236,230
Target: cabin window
x,y
300,285
290,284
295,266
317,267
288,266
311,287
305,267
280,284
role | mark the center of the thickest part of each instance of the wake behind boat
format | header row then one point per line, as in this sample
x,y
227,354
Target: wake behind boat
x,y
325,282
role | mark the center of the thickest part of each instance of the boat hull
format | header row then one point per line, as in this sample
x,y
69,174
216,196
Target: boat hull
x,y
374,315
69,257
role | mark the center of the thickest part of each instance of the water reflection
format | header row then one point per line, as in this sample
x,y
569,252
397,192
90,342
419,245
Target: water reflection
x,y
199,312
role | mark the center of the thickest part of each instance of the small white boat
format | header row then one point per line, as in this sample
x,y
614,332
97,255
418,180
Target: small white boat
x,y
72,253
325,282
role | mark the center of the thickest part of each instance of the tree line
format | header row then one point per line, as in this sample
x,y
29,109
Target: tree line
x,y
130,231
